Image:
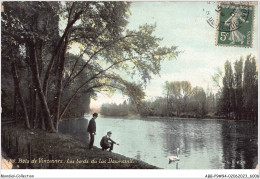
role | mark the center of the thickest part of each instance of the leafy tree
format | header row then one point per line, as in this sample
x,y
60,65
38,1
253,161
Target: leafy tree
x,y
239,94
107,48
250,88
227,97
186,91
238,88
24,26
199,101
177,95
195,104
211,103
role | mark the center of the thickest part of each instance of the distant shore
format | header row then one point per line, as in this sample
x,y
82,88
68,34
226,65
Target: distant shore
x,y
214,118
175,118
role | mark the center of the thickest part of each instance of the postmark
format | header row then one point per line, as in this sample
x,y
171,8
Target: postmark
x,y
234,26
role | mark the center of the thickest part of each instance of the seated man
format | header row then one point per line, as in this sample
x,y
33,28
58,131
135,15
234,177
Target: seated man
x,y
107,143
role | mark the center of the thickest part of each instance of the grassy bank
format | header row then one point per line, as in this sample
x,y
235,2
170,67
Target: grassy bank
x,y
54,150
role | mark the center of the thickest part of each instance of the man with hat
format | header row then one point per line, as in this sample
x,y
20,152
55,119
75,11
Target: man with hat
x,y
107,143
92,130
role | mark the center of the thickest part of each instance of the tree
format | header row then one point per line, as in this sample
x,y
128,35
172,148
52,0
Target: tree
x,y
210,103
186,90
238,97
24,26
107,47
199,101
227,98
19,94
177,95
238,89
250,88
115,109
173,91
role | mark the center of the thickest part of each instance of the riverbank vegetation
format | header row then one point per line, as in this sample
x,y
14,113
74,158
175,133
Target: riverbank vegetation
x,y
58,55
237,97
179,100
239,92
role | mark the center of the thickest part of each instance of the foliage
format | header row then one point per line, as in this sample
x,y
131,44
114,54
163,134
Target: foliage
x,y
180,100
238,97
41,35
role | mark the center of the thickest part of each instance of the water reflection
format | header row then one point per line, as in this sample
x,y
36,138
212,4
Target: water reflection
x,y
240,145
199,143
204,144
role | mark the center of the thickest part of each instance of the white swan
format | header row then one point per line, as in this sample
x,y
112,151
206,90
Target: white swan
x,y
174,158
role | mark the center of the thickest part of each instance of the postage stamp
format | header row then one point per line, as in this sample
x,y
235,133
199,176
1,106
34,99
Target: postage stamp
x,y
235,24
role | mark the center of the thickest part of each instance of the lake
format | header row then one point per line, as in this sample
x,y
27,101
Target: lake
x,y
203,144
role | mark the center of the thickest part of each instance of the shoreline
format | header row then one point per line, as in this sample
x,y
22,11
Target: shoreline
x,y
175,118
57,151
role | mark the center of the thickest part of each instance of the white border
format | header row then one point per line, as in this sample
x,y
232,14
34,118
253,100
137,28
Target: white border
x,y
130,173
126,173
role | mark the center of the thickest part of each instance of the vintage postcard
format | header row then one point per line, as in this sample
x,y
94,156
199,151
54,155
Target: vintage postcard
x,y
129,85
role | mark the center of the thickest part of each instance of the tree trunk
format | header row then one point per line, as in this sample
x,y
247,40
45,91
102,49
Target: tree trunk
x,y
37,84
167,103
42,123
31,104
236,105
20,98
15,105
58,49
59,85
40,120
34,107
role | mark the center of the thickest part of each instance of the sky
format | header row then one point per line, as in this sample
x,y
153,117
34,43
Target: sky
x,y
183,24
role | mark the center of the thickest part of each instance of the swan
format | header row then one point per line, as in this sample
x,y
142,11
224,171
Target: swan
x,y
174,158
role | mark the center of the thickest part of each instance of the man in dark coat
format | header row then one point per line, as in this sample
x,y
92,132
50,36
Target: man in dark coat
x,y
107,143
92,130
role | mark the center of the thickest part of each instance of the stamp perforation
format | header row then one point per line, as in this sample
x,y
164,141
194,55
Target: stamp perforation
x,y
253,5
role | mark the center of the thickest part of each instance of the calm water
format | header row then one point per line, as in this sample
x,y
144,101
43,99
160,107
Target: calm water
x,y
204,144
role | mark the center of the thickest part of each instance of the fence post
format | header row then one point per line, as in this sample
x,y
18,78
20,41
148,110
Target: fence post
x,y
29,154
3,143
9,142
17,145
50,158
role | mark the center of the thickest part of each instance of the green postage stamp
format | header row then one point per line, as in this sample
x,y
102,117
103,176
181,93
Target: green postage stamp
x,y
235,24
